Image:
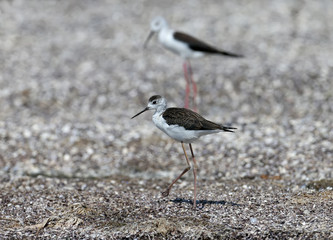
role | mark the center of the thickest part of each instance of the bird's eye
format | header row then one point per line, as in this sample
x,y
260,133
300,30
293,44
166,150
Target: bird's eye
x,y
154,102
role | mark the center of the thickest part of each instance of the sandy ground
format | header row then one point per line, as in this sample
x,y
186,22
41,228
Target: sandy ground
x,y
74,165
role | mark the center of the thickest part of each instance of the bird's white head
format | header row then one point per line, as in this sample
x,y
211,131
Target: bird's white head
x,y
156,102
158,23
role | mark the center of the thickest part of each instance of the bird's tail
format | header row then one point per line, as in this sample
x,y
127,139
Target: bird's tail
x,y
228,129
230,54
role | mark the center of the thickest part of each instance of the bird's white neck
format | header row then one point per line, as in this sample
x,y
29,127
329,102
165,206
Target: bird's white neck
x,y
160,109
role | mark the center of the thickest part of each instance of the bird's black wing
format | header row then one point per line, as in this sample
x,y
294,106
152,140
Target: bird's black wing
x,y
198,45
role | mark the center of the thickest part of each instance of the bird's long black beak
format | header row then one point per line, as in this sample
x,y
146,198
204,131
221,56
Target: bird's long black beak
x,y
148,38
146,109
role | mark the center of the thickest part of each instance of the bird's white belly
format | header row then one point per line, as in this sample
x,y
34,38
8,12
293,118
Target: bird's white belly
x,y
180,134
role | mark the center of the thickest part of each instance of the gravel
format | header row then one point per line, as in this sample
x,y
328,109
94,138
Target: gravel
x,y
74,165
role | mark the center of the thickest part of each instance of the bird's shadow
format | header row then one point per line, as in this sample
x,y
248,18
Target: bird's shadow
x,y
202,203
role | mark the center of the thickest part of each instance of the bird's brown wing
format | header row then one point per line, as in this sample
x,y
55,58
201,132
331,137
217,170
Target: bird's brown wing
x,y
188,119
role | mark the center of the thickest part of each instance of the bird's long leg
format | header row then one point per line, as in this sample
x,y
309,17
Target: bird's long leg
x,y
194,86
166,192
195,167
187,91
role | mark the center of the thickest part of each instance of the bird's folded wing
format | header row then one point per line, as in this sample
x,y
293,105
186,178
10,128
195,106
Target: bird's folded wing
x,y
188,119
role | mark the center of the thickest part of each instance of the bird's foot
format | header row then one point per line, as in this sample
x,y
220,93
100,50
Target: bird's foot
x,y
165,193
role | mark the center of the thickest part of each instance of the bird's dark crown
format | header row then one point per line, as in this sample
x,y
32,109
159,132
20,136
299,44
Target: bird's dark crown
x,y
154,98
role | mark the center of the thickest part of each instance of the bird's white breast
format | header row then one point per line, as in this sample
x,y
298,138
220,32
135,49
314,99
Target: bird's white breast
x,y
167,39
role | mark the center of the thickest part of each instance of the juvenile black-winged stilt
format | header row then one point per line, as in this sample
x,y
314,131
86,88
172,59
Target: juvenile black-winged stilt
x,y
184,126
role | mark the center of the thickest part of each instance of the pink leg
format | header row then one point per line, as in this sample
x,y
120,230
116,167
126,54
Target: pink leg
x,y
194,87
167,191
187,91
195,167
